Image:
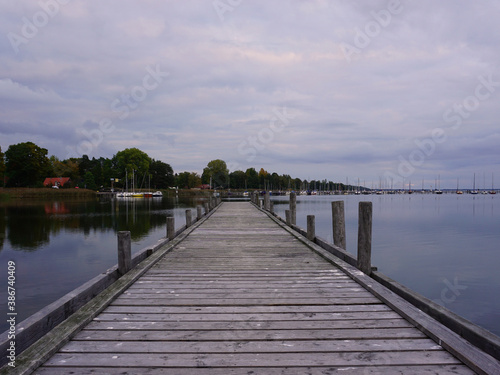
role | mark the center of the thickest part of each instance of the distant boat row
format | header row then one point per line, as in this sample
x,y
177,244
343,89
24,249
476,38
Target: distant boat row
x,y
156,194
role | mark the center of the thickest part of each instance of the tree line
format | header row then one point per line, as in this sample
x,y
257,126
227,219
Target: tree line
x,y
27,165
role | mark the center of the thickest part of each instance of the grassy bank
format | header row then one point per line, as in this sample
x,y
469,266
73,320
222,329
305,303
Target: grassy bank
x,y
7,194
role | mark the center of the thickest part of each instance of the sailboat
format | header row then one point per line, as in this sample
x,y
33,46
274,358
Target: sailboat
x,y
492,191
474,191
459,191
438,191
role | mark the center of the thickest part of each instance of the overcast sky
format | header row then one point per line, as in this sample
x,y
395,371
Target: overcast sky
x,y
375,90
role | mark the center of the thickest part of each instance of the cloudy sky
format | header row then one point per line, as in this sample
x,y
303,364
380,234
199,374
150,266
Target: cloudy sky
x,y
375,90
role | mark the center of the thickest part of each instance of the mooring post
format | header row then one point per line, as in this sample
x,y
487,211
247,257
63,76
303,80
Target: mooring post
x,y
267,201
207,209
311,230
365,237
124,252
170,228
293,208
188,218
271,207
338,223
287,217
198,212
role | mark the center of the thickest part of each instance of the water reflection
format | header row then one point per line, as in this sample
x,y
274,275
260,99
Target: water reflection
x,y
29,226
58,246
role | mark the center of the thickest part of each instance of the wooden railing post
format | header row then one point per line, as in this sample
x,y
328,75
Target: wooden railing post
x,y
293,208
198,212
188,218
267,201
311,229
124,252
365,237
207,208
170,228
338,224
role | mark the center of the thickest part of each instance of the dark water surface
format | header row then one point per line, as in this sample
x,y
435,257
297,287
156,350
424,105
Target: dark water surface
x,y
445,247
58,246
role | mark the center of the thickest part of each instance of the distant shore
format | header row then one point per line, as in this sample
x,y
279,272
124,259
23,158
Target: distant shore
x,y
7,194
13,194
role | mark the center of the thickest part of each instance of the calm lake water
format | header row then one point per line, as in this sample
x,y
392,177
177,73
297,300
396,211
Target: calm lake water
x,y
58,246
445,247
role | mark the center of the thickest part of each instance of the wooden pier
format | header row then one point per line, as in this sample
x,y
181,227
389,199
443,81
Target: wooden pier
x,y
244,294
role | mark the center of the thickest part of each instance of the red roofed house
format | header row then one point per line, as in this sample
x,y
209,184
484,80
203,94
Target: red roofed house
x,y
56,181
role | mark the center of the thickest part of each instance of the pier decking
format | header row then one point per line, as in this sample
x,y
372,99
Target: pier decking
x,y
243,295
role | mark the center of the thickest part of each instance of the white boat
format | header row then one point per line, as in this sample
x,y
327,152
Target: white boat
x,y
158,194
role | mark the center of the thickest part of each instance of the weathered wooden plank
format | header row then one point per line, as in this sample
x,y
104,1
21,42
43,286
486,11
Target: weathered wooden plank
x,y
246,317
250,335
273,293
271,301
251,359
285,346
256,311
321,370
253,325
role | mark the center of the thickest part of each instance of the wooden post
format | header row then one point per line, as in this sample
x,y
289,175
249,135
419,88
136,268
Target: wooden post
x,y
267,201
170,228
293,208
311,230
365,237
287,217
207,209
271,207
338,223
188,218
198,212
124,252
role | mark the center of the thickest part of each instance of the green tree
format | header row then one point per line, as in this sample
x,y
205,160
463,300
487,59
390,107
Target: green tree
x,y
194,180
89,181
27,164
237,179
216,170
2,167
252,178
132,160
162,174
